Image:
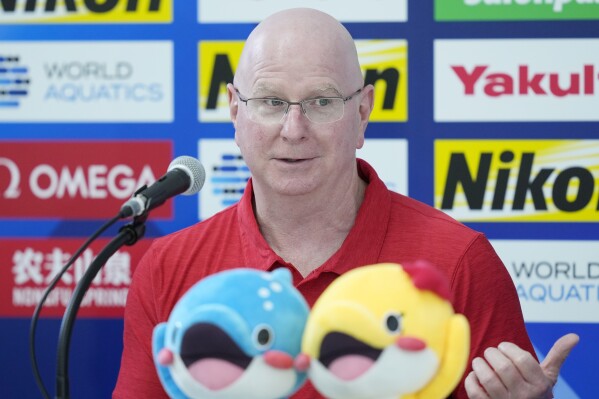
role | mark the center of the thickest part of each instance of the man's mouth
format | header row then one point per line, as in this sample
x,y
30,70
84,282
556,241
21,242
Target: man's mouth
x,y
291,160
294,160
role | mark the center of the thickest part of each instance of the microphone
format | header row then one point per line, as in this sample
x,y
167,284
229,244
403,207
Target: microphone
x,y
185,175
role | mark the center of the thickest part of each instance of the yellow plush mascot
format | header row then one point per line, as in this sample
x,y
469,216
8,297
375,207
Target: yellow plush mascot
x,y
386,331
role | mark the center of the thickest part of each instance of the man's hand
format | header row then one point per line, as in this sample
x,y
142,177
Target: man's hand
x,y
510,372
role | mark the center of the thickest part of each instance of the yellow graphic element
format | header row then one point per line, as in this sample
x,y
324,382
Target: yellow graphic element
x,y
520,180
143,11
217,61
384,63
387,61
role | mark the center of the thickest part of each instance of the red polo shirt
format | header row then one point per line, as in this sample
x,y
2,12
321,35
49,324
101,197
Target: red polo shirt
x,y
389,227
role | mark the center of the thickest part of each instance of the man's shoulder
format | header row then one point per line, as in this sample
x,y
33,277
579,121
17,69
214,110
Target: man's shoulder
x,y
419,231
417,215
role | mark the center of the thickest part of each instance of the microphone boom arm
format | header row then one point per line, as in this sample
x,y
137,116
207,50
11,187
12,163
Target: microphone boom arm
x,y
128,235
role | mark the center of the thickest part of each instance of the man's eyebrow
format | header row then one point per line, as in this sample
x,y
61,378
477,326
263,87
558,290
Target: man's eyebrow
x,y
264,89
273,91
327,91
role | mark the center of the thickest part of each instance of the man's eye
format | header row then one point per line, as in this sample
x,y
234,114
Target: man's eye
x,y
322,102
273,102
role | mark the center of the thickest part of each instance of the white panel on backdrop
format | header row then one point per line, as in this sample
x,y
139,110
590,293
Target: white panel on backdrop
x,y
255,11
99,81
516,80
227,174
557,281
389,157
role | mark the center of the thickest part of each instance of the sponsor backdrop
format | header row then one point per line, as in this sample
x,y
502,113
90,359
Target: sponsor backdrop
x,y
486,109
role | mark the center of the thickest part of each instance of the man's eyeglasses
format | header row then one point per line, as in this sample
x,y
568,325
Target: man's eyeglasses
x,y
272,110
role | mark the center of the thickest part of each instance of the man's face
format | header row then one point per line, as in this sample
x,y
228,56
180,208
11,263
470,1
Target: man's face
x,y
297,156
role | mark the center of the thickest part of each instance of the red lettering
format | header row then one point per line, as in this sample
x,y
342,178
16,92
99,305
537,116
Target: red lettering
x,y
534,82
469,79
496,84
499,84
574,87
589,79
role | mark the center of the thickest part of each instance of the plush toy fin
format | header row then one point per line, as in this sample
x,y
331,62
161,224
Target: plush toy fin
x,y
282,274
166,378
453,361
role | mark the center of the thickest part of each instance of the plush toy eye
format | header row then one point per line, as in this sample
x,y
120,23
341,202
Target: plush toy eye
x,y
393,322
263,336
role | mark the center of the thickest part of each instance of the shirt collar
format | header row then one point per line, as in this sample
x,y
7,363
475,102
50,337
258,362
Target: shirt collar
x,y
256,251
361,247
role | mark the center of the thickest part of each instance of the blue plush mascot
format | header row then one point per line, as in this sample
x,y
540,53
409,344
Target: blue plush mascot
x,y
234,334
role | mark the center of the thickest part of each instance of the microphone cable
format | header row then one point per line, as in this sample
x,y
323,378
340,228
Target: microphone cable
x,y
38,308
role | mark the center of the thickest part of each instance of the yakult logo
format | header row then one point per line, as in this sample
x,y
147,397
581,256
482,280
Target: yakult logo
x,y
75,180
480,79
517,80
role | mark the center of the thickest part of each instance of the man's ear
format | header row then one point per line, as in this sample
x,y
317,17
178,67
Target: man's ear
x,y
233,103
365,109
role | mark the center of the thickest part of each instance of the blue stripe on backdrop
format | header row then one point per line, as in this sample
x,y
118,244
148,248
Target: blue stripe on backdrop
x,y
93,363
579,372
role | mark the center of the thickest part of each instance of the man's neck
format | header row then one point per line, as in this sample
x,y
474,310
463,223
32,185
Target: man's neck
x,y
307,230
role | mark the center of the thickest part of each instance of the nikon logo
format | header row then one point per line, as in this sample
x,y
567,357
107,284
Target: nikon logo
x,y
518,180
85,11
384,64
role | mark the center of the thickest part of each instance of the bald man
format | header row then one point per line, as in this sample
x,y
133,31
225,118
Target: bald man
x,y
300,111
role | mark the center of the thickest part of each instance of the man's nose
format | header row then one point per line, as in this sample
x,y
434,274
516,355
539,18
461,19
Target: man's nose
x,y
294,123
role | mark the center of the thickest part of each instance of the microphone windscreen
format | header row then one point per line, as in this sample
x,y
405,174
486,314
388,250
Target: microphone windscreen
x,y
194,169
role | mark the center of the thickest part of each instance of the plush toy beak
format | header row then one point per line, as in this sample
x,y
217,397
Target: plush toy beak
x,y
302,362
278,359
410,344
165,357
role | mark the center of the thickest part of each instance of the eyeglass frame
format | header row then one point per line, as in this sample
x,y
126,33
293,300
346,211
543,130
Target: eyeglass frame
x,y
300,103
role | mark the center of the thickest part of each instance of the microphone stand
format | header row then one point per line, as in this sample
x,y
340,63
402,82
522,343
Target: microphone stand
x,y
128,235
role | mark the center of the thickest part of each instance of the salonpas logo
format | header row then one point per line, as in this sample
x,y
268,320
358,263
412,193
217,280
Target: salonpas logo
x,y
88,11
462,10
